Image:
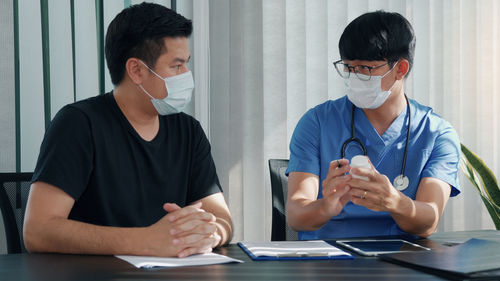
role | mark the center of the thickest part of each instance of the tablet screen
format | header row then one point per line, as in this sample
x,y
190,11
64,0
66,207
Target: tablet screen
x,y
375,247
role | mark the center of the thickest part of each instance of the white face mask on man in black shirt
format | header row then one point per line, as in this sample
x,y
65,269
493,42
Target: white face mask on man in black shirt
x,y
179,91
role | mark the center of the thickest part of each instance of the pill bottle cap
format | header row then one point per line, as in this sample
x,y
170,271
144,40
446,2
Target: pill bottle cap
x,y
360,161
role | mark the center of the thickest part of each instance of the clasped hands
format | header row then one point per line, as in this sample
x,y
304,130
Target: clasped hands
x,y
184,231
376,194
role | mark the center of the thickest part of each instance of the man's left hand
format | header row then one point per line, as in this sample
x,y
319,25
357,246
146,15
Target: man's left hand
x,y
194,228
376,194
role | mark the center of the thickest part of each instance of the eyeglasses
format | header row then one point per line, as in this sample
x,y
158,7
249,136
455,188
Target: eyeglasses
x,y
363,72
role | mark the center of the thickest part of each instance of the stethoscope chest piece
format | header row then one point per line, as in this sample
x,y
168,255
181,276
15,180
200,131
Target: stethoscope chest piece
x,y
401,182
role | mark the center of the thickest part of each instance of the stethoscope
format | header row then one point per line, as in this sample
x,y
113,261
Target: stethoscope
x,y
400,182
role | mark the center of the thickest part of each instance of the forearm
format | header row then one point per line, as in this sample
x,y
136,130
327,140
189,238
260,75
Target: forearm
x,y
306,215
68,236
415,217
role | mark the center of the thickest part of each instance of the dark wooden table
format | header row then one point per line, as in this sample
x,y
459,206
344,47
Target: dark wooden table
x,y
87,267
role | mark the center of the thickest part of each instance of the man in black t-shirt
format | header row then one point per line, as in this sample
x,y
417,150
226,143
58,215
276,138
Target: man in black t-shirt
x,y
127,172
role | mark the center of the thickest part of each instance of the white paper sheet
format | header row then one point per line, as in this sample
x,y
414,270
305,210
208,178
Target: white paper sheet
x,y
203,259
293,248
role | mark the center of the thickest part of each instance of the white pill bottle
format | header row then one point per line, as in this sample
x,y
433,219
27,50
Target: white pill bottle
x,y
360,161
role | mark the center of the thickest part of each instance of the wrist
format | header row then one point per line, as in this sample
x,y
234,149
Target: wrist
x,y
134,241
403,205
325,209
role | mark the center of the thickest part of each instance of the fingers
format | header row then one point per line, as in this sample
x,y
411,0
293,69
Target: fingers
x,y
196,216
335,184
362,197
338,164
171,207
194,226
336,176
333,204
184,231
360,193
346,197
194,240
335,170
371,174
363,184
190,220
367,200
180,213
373,166
197,244
340,194
340,189
193,251
377,183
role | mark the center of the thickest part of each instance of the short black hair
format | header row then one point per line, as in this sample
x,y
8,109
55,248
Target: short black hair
x,y
378,36
139,31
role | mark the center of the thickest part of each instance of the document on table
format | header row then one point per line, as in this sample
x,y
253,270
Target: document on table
x,y
293,250
202,259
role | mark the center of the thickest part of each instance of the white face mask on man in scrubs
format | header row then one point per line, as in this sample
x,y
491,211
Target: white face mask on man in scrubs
x,y
366,92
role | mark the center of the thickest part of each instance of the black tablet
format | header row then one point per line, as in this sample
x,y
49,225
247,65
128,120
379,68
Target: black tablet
x,y
377,247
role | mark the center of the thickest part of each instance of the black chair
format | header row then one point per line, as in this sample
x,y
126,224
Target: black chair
x,y
279,189
14,191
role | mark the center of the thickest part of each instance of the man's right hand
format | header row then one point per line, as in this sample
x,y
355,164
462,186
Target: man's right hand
x,y
305,212
335,189
184,231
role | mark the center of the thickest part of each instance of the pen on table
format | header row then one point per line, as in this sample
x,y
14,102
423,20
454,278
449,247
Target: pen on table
x,y
304,254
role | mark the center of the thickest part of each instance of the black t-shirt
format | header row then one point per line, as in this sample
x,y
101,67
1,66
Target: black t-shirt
x,y
93,153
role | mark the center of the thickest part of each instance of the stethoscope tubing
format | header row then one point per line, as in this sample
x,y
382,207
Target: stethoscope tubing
x,y
358,141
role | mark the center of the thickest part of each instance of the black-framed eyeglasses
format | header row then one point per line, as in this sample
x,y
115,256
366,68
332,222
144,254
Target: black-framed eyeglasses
x,y
363,72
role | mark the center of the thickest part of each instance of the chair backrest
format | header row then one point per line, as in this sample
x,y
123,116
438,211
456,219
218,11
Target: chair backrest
x,y
14,191
279,189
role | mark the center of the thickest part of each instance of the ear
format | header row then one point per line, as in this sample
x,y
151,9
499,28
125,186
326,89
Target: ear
x,y
136,70
402,69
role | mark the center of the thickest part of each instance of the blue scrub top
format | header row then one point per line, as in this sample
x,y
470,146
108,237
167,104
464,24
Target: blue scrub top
x,y
433,151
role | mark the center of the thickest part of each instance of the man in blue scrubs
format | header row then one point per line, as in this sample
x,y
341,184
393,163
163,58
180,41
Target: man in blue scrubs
x,y
413,172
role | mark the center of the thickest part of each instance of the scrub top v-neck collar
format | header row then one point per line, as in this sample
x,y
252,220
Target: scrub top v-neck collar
x,y
362,124
376,144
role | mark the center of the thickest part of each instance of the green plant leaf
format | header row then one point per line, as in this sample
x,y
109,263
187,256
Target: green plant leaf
x,y
488,179
467,167
485,182
494,212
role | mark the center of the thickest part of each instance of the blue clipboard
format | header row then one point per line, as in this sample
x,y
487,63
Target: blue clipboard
x,y
301,255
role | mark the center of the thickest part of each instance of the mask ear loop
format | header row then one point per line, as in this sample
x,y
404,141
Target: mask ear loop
x,y
140,86
382,75
144,90
157,75
390,89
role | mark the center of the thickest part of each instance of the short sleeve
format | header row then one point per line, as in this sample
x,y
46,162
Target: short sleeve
x,y
304,146
66,153
444,160
203,180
